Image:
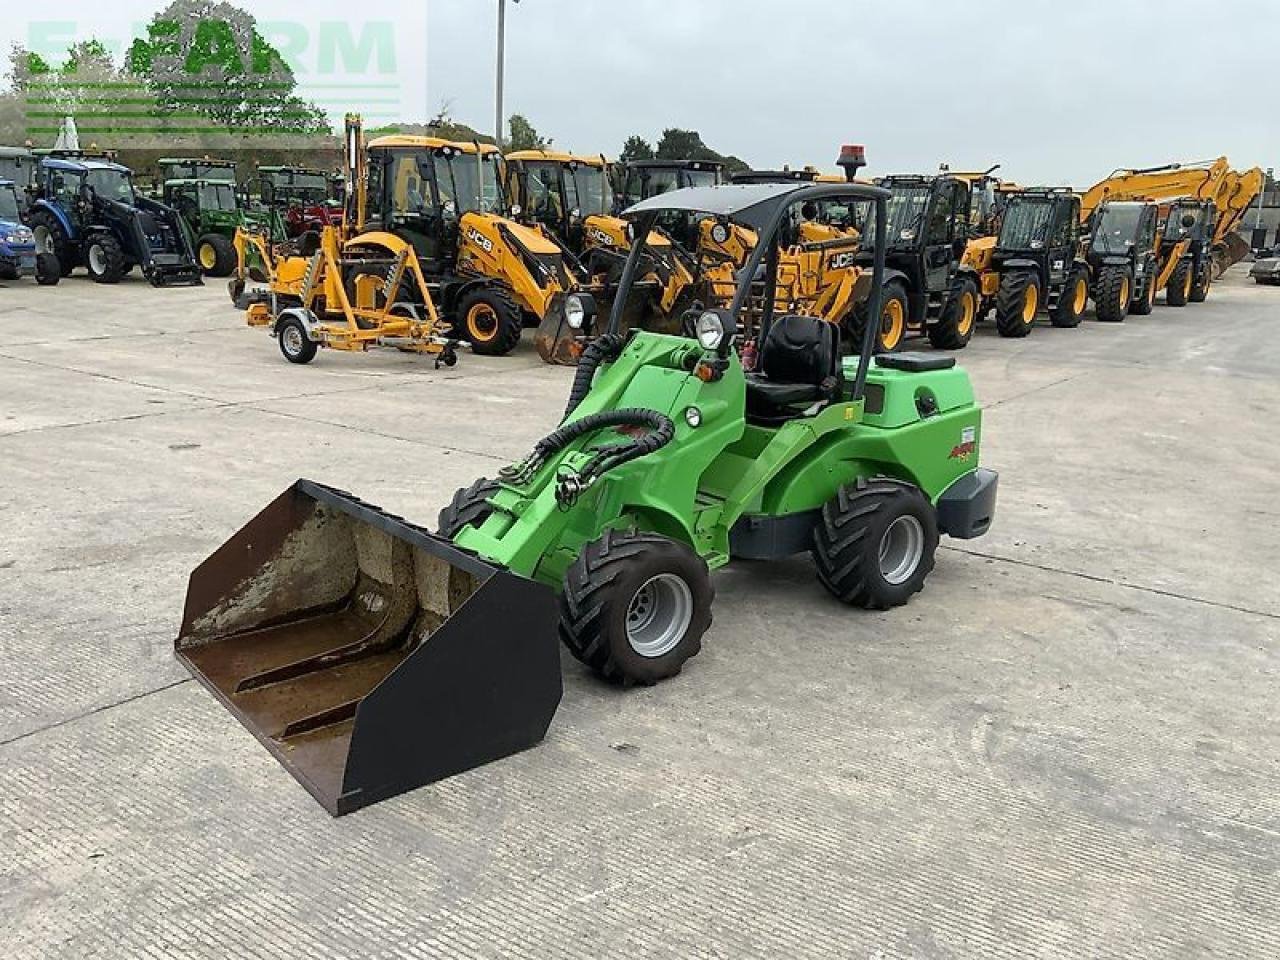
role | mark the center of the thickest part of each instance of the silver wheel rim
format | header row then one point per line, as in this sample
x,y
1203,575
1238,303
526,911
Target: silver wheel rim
x,y
659,615
44,239
97,259
901,548
292,340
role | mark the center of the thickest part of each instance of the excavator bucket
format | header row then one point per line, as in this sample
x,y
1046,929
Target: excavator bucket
x,y
1231,251
368,655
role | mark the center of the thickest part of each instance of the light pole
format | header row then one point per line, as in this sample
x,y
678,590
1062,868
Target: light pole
x,y
499,124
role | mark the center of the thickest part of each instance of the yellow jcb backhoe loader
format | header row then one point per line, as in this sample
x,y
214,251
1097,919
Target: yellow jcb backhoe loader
x,y
570,198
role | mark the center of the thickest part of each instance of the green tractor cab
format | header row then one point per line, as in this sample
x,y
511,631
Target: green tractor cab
x,y
371,656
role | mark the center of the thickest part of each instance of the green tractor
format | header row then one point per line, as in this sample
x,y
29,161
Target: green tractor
x,y
371,656
204,192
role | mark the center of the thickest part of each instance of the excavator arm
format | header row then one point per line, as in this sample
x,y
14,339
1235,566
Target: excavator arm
x,y
1196,180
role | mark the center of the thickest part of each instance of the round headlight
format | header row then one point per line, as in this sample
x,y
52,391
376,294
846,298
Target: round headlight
x,y
575,214
693,417
516,210
575,311
710,330
720,233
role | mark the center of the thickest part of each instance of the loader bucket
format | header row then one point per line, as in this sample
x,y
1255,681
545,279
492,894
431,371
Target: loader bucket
x,y
1231,251
368,655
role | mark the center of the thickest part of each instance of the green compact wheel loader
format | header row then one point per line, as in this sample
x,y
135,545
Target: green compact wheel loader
x,y
372,656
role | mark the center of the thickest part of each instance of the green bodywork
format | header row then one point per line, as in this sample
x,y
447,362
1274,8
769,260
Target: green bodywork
x,y
709,477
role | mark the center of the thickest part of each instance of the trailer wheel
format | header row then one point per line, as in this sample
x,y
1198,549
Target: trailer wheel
x,y
1017,303
955,327
635,606
105,259
875,544
296,346
1113,294
490,320
468,508
48,269
1072,302
217,255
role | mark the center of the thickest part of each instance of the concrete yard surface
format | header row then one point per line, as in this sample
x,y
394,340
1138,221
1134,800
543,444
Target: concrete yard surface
x,y
1065,747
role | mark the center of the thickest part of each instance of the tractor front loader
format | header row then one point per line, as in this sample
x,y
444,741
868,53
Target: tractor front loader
x,y
371,656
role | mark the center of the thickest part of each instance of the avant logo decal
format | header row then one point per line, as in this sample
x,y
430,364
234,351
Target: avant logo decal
x,y
480,240
967,446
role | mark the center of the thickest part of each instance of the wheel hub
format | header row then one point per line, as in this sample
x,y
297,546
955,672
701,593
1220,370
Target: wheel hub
x,y
659,615
98,258
292,338
901,549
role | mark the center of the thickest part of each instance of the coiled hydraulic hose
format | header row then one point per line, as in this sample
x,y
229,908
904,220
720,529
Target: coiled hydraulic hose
x,y
605,348
660,432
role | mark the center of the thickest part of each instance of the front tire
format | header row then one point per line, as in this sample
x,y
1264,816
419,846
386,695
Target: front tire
x,y
1201,284
1017,303
105,259
48,270
1113,294
874,546
295,345
635,606
468,508
52,238
1143,306
893,320
955,327
490,320
1178,293
1072,302
217,255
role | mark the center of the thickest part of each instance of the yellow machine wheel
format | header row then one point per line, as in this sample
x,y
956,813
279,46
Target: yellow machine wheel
x,y
1072,301
216,255
1017,303
1179,290
1112,295
955,327
488,318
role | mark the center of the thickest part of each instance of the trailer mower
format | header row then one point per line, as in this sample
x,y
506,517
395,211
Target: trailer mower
x,y
371,656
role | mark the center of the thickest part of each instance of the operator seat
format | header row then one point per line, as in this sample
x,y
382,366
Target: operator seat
x,y
798,366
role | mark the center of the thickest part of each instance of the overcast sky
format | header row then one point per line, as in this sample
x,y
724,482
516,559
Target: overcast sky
x,y
1057,92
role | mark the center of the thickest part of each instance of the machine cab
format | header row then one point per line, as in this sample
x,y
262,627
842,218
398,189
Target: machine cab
x,y
421,187
645,179
1124,230
928,230
559,191
1042,226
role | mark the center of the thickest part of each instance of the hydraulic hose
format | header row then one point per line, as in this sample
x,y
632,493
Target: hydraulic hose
x,y
602,349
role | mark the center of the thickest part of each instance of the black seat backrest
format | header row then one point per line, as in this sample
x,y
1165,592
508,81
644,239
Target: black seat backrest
x,y
800,349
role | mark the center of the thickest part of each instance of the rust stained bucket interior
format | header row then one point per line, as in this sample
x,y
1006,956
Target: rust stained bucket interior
x,y
367,654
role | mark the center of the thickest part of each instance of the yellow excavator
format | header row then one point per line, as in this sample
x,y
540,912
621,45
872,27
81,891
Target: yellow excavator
x,y
570,199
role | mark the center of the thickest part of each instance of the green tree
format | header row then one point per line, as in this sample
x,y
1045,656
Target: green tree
x,y
524,136
204,59
677,144
636,148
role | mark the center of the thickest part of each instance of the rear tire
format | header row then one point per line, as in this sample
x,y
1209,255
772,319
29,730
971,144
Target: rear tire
x,y
1072,302
1017,303
468,508
490,320
874,546
1179,290
105,258
1113,293
216,254
1143,306
295,345
955,327
635,606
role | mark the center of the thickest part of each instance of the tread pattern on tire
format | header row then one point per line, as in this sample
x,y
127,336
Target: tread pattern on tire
x,y
224,262
58,236
113,254
510,320
1064,314
584,602
1010,300
839,539
469,507
1107,296
945,334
